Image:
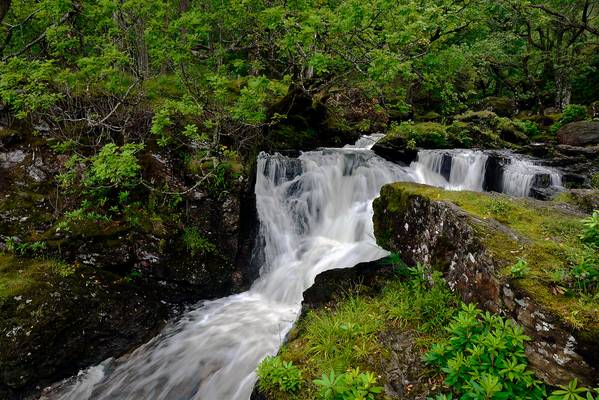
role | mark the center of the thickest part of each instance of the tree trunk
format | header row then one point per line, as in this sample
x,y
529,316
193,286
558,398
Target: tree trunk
x,y
4,6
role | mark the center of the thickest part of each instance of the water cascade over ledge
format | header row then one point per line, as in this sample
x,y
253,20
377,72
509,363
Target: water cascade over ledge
x,y
315,214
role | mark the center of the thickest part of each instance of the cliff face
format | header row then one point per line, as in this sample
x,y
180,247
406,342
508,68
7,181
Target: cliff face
x,y
459,234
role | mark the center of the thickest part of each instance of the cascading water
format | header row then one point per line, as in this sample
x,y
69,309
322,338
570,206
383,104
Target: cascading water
x,y
314,217
467,170
315,214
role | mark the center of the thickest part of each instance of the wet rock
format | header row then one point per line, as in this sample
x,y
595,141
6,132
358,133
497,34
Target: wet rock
x,y
395,150
443,235
581,133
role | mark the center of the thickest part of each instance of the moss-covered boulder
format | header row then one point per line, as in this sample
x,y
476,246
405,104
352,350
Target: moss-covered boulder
x,y
502,106
476,239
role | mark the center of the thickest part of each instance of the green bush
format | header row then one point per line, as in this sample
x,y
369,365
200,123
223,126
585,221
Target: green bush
x,y
590,234
276,375
484,358
530,128
352,385
572,113
573,392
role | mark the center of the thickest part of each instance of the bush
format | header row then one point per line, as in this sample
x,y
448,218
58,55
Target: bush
x,y
590,234
573,392
572,113
530,128
595,181
276,375
484,358
114,166
352,385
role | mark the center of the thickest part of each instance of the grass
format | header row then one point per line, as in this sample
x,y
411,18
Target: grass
x,y
347,334
548,240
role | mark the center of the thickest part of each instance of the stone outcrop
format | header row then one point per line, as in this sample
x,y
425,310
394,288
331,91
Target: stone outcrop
x,y
581,133
410,221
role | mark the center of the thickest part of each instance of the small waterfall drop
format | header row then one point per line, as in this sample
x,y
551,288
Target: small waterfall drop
x,y
468,170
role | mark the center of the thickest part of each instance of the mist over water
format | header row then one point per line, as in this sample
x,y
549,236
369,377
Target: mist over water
x,y
315,214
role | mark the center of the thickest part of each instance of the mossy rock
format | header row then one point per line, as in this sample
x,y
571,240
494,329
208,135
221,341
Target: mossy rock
x,y
502,106
475,238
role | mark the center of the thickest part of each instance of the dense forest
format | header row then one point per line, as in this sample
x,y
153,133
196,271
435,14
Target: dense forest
x,y
131,134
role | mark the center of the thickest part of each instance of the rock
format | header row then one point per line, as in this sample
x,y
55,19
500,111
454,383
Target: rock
x,y
408,221
395,150
502,106
594,109
12,158
586,200
581,133
332,283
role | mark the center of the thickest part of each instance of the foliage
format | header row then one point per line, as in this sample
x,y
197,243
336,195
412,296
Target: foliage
x,y
484,358
351,385
196,243
15,246
277,375
573,392
530,128
520,269
590,234
114,166
572,113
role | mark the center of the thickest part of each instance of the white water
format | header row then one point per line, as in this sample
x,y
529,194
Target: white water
x,y
318,220
468,169
315,215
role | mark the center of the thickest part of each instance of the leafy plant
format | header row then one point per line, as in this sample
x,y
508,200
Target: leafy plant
x,y
520,269
573,392
278,375
351,385
590,234
484,358
572,113
196,243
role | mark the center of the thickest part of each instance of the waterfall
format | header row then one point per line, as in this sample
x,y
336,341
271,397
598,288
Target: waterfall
x,y
468,170
315,214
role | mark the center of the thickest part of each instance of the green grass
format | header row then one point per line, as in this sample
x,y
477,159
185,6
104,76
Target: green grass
x,y
347,334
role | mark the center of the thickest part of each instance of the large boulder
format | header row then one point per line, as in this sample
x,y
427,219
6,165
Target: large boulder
x,y
581,133
502,106
476,251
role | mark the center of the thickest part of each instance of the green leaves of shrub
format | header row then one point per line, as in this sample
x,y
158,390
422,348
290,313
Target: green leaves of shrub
x,y
590,234
353,385
484,358
115,166
278,375
573,392
572,113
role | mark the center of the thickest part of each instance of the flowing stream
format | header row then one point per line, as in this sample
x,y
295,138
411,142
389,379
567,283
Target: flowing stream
x,y
315,214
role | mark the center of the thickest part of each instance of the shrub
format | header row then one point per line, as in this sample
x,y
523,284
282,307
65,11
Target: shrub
x,y
115,166
276,375
530,128
572,113
520,269
348,386
590,234
484,358
573,392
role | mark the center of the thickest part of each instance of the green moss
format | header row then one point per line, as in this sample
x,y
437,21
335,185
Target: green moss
x,y
19,275
546,237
